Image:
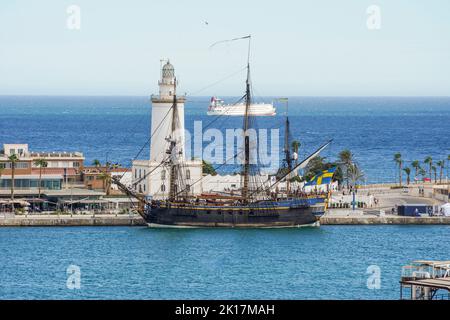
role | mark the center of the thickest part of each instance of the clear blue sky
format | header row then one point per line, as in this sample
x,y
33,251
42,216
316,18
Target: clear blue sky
x,y
314,48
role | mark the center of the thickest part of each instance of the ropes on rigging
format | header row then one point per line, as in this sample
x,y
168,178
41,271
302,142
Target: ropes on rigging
x,y
149,139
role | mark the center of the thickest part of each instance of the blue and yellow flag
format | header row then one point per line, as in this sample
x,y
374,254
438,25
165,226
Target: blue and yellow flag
x,y
323,178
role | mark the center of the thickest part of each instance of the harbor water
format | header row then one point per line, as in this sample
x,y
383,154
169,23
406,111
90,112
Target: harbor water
x,y
330,262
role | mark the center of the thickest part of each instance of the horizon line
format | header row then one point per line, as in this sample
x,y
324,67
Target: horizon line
x,y
208,96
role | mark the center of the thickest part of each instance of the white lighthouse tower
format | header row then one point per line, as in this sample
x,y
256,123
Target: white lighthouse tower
x,y
162,115
151,177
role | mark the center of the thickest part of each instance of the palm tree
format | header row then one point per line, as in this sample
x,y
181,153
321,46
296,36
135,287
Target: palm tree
x,y
416,165
96,163
13,159
207,168
448,162
434,169
399,161
355,174
441,165
346,159
429,160
106,182
41,163
408,173
422,172
115,165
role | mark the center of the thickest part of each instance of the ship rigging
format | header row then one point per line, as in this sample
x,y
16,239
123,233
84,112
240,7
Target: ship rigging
x,y
254,206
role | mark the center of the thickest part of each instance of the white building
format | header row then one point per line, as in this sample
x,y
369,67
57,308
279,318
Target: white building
x,y
125,178
149,176
218,183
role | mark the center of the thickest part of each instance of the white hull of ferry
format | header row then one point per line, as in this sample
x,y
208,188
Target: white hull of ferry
x,y
239,110
217,107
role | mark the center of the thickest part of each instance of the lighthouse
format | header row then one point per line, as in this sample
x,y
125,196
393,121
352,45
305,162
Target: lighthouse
x,y
162,116
151,177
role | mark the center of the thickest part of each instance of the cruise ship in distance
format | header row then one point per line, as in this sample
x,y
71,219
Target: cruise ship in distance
x,y
218,107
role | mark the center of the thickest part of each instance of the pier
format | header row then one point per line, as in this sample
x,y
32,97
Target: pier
x,y
426,280
382,202
11,220
372,219
54,220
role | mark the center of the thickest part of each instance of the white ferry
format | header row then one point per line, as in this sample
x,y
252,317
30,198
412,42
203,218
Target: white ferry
x,y
218,107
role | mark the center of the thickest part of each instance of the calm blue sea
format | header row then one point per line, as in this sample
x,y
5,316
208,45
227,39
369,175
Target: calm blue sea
x,y
134,262
115,128
329,262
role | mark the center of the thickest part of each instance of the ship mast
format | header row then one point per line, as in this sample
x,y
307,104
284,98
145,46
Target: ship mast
x,y
246,127
287,152
172,147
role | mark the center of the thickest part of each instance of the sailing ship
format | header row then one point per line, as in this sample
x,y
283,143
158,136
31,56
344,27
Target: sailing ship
x,y
256,205
218,107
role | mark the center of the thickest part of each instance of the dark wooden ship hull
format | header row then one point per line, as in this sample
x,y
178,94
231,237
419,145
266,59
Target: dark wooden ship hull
x,y
252,216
